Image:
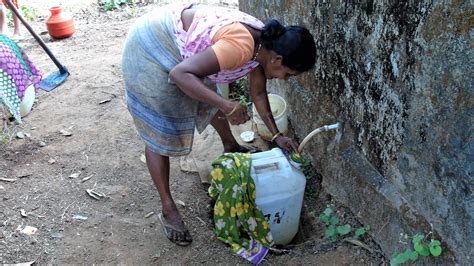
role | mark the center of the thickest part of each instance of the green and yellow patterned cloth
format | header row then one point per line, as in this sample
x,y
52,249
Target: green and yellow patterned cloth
x,y
237,219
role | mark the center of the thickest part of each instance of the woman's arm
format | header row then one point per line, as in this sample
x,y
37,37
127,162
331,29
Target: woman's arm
x,y
188,74
258,92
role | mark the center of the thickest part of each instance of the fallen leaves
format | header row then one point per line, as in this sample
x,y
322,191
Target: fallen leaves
x,y
24,263
180,202
8,179
105,101
74,175
20,135
28,230
148,215
79,217
65,133
86,178
95,194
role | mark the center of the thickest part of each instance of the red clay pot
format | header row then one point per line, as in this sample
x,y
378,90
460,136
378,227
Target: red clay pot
x,y
59,25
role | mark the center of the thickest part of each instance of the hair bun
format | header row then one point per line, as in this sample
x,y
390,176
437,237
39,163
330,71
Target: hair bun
x,y
272,30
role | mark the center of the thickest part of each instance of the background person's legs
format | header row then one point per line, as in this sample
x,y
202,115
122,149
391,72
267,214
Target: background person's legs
x,y
3,19
16,22
16,27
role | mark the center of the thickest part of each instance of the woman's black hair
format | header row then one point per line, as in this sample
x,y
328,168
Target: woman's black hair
x,y
294,43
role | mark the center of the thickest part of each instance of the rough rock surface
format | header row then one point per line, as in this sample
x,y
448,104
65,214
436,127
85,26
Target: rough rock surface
x,y
398,76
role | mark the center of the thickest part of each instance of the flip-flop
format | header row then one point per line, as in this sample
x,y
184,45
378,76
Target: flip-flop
x,y
168,229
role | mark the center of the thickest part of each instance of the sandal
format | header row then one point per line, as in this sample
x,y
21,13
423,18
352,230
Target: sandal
x,y
177,236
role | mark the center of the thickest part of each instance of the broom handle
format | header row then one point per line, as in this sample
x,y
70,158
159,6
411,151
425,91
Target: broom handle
x,y
62,69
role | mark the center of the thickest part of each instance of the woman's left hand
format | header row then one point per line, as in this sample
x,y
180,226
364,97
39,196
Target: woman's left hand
x,y
286,143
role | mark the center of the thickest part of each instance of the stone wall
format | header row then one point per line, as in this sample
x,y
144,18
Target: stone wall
x,y
398,76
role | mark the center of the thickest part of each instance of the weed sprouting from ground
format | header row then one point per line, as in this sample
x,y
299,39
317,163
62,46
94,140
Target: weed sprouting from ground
x,y
108,5
421,245
335,229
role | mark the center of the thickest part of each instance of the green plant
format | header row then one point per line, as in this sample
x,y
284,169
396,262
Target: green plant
x,y
25,11
28,13
109,5
334,229
242,86
361,231
422,246
243,100
4,139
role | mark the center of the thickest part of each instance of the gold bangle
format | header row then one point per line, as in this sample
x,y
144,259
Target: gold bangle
x,y
276,136
233,110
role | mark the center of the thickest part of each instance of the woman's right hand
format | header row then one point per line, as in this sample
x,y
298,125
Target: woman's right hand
x,y
237,113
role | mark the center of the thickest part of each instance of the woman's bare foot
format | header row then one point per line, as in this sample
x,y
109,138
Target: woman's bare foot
x,y
17,37
174,227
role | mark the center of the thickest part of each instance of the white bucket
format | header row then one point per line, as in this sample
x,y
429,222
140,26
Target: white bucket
x,y
223,90
279,112
280,190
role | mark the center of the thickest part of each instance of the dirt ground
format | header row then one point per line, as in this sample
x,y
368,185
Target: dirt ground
x,y
46,174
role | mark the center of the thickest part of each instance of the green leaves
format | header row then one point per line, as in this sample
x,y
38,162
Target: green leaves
x,y
331,232
435,247
109,5
334,229
404,257
361,231
422,247
334,220
344,229
327,211
324,218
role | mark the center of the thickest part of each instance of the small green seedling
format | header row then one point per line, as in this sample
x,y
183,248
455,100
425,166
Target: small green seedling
x,y
421,247
361,231
334,229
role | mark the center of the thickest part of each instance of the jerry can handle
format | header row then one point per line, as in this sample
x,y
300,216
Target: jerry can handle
x,y
260,169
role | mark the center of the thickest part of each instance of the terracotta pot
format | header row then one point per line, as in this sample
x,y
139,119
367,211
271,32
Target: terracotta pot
x,y
59,25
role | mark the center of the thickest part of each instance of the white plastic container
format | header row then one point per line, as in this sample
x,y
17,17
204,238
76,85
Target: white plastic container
x,y
280,190
28,100
26,104
223,89
279,111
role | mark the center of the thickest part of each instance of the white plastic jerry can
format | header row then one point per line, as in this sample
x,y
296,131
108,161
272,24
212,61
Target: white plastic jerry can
x,y
280,190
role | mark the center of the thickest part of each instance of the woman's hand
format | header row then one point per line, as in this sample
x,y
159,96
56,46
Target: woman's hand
x,y
286,143
238,114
